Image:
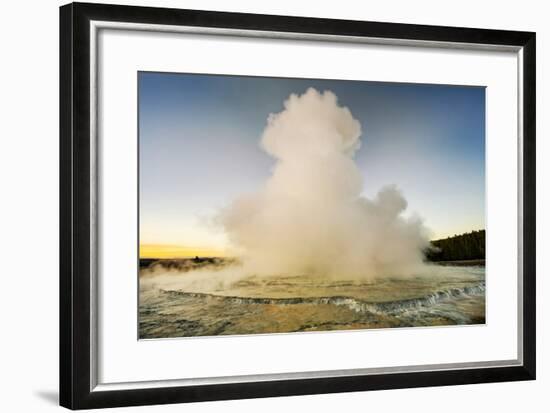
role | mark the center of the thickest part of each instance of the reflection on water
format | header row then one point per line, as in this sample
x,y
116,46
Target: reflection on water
x,y
171,306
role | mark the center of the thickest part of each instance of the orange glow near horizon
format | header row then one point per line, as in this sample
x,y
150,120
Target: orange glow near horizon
x,y
177,251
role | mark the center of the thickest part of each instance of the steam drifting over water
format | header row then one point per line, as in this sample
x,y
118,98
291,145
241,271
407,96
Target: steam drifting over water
x,y
310,217
311,253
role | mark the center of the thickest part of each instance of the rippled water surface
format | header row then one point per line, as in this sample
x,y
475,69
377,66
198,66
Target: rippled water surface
x,y
172,307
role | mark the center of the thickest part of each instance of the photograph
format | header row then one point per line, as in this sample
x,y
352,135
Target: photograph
x,y
281,202
284,205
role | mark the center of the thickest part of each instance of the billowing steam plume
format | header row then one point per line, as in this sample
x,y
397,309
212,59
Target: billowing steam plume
x,y
310,217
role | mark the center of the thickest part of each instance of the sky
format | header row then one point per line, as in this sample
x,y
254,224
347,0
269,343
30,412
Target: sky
x,y
199,149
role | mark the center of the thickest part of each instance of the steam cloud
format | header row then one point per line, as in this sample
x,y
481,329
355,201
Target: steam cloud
x,y
310,217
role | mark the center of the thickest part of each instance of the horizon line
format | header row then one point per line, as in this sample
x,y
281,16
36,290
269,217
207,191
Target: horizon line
x,y
176,251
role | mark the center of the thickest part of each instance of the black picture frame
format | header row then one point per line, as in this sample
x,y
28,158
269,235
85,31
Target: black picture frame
x,y
75,218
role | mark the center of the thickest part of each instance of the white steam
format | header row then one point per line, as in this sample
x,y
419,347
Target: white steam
x,y
310,217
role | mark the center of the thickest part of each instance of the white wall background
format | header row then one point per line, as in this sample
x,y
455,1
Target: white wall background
x,y
29,205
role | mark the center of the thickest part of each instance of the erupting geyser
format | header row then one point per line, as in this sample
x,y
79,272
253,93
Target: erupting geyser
x,y
309,217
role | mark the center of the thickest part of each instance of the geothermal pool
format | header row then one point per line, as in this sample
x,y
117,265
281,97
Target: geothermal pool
x,y
183,302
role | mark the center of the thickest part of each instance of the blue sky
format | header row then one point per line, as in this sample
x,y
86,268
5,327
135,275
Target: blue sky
x,y
199,148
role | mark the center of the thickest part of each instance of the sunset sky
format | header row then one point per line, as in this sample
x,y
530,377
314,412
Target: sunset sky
x,y
199,149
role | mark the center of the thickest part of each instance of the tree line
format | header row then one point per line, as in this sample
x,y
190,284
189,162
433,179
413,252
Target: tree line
x,y
468,246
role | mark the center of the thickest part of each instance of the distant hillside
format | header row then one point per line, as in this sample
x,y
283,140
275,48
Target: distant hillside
x,y
468,246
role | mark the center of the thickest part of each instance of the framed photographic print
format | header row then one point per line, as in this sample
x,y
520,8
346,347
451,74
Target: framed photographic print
x,y
257,206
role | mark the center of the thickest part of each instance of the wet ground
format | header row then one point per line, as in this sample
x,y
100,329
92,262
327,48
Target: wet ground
x,y
448,296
